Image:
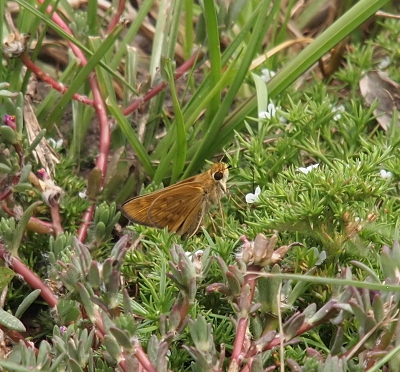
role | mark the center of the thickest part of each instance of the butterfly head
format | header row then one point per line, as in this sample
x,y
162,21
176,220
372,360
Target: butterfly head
x,y
219,173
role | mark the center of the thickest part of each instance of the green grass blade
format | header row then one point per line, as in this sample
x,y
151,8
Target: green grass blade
x,y
211,139
83,74
131,33
131,137
215,57
180,132
303,61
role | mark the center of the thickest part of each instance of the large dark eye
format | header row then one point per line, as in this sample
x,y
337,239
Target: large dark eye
x,y
218,176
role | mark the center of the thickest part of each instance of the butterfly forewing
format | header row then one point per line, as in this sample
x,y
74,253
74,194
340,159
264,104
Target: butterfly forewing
x,y
176,208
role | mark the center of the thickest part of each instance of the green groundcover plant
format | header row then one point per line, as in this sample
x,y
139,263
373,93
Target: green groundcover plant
x,y
297,269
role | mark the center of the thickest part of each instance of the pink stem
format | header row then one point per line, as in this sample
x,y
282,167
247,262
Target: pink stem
x,y
29,276
86,220
236,358
47,79
100,108
144,359
17,337
158,88
55,217
117,16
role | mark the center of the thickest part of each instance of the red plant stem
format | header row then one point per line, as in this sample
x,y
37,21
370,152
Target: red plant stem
x,y
34,224
86,220
47,79
100,108
45,224
5,208
55,217
122,365
239,339
236,358
40,227
143,358
5,194
29,276
158,88
183,308
117,16
105,136
100,331
17,337
277,341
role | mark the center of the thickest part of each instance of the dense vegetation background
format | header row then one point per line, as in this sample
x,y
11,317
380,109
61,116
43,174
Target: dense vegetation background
x,y
298,269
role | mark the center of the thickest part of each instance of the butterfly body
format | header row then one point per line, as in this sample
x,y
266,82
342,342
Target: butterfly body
x,y
182,206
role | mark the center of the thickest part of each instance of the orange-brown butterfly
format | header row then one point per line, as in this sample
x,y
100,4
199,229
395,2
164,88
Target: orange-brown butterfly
x,y
180,207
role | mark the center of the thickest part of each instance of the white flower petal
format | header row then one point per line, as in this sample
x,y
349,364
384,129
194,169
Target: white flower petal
x,y
253,198
269,113
385,62
337,111
82,194
308,169
386,175
267,74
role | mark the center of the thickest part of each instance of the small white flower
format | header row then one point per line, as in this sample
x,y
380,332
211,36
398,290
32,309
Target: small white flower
x,y
82,194
386,175
337,111
55,144
308,169
253,198
271,111
385,62
267,74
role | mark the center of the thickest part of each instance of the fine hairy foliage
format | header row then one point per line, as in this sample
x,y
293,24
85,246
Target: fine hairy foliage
x,y
296,269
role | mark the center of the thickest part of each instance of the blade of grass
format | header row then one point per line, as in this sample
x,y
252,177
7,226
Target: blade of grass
x,y
180,155
2,14
21,227
197,102
264,18
158,40
189,37
175,24
104,78
210,17
303,61
131,32
92,17
167,157
66,35
83,74
131,137
131,69
335,281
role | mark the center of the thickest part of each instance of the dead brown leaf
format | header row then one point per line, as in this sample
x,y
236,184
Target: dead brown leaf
x,y
376,86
